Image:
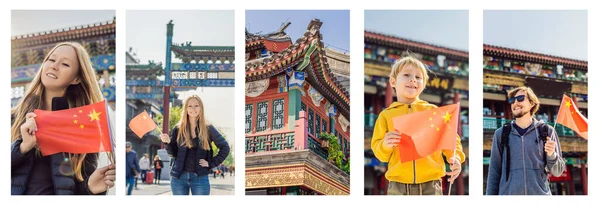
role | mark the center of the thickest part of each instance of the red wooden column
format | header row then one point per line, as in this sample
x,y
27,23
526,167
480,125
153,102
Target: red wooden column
x,y
388,95
584,179
376,104
460,182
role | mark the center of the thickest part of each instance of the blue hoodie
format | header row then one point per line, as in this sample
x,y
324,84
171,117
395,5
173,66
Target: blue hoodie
x,y
527,173
132,164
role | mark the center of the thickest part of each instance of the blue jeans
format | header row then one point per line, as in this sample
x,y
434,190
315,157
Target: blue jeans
x,y
199,185
144,176
130,182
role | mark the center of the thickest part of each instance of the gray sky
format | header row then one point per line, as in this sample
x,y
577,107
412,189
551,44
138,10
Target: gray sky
x,y
448,28
147,31
28,21
559,33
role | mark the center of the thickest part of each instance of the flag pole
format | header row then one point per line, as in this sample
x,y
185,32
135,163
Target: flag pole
x,y
451,182
454,155
111,155
159,130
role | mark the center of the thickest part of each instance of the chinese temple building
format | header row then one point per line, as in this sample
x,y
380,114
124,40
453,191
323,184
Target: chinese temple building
x,y
448,83
295,90
550,77
29,50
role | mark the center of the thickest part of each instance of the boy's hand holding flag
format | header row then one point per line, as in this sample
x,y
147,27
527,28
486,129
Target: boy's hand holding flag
x,y
425,132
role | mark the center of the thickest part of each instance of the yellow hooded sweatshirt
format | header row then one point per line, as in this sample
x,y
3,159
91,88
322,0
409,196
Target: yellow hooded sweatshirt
x,y
418,171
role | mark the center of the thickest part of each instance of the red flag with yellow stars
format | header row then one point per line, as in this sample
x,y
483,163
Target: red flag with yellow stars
x,y
425,132
142,124
569,116
77,130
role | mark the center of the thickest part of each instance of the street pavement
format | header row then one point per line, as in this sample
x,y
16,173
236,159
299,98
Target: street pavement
x,y
218,186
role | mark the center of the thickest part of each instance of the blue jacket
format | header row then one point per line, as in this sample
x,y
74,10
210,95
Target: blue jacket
x,y
178,152
528,176
21,165
132,164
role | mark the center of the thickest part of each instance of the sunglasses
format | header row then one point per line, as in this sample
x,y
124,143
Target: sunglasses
x,y
519,98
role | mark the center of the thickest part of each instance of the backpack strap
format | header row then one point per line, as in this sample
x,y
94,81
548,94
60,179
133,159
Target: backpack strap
x,y
543,133
504,145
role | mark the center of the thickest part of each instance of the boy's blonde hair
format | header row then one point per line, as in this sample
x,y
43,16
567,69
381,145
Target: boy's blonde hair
x,y
409,60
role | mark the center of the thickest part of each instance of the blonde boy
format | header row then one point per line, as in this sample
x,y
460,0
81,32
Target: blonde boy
x,y
422,176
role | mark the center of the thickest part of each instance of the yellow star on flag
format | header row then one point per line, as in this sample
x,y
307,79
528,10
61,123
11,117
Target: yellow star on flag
x,y
568,104
144,117
94,115
74,115
447,117
430,119
81,126
74,121
80,111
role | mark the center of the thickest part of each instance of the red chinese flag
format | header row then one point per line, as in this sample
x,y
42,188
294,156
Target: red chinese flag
x,y
427,131
142,124
77,130
569,116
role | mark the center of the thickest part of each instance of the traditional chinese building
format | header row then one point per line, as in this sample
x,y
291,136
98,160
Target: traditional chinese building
x,y
29,50
294,91
144,92
150,87
448,83
549,77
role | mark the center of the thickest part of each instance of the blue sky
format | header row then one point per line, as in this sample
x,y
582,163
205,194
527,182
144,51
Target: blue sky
x,y
335,29
559,33
443,28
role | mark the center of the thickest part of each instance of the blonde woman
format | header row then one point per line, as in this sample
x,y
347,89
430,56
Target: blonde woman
x,y
190,147
158,165
65,72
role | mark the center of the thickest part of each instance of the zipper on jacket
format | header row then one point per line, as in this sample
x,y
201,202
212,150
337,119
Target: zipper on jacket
x,y
414,162
523,158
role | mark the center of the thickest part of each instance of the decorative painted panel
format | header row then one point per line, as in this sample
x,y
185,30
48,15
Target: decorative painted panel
x,y
278,112
267,143
311,122
318,125
262,116
249,108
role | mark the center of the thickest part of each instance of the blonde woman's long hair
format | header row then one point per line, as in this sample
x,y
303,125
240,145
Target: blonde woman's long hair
x,y
184,136
86,92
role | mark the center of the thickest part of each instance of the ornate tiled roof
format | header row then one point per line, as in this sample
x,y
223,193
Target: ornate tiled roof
x,y
533,57
307,50
66,34
275,41
393,41
186,52
145,69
